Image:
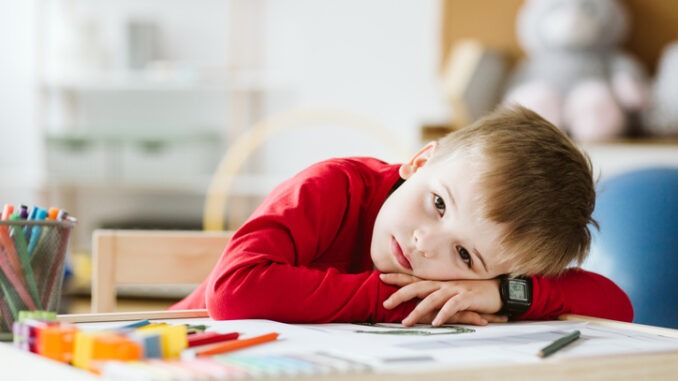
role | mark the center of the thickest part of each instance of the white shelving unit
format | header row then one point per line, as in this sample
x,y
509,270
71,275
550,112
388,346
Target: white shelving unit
x,y
138,102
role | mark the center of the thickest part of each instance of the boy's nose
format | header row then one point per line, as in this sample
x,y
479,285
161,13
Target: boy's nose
x,y
425,242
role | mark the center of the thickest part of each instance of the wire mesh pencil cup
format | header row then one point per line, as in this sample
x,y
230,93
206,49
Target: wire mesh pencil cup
x,y
32,261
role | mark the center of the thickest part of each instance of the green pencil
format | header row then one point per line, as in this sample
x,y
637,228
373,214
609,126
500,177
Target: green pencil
x,y
559,344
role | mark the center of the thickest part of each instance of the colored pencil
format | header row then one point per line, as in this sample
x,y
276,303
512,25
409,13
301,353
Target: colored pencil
x,y
210,338
233,345
559,344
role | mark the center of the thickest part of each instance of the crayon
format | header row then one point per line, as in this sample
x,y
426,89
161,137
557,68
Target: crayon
x,y
23,212
559,344
234,345
36,230
136,324
7,246
15,283
53,213
27,273
210,338
7,211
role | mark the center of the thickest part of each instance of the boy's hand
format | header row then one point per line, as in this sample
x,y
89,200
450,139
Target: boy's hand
x,y
457,301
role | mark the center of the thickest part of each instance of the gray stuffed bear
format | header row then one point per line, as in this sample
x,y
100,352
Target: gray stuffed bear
x,y
574,73
661,118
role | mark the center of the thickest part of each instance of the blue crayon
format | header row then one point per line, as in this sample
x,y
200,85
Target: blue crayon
x,y
136,324
36,231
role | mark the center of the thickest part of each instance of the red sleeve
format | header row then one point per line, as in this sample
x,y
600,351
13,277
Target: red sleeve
x,y
578,291
278,265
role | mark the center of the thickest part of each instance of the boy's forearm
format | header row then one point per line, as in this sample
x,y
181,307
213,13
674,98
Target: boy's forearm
x,y
300,295
579,292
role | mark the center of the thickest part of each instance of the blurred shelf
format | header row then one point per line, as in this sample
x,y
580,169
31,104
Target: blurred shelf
x,y
98,158
639,141
243,185
608,158
611,158
165,80
141,135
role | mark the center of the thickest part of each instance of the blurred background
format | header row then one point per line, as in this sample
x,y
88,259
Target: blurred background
x,y
120,111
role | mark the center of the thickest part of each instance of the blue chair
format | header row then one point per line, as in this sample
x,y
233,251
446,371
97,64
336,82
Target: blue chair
x,y
637,245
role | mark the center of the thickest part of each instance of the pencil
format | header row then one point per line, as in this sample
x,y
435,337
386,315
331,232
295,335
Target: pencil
x,y
233,345
559,344
205,338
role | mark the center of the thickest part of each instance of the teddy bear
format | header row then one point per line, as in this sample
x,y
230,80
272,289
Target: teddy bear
x,y
574,72
661,117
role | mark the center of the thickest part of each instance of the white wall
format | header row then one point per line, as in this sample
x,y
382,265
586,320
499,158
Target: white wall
x,y
20,144
376,58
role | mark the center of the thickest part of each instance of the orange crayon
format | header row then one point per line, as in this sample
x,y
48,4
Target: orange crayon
x,y
233,345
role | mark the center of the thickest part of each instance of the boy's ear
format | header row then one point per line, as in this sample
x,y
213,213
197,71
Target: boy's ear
x,y
417,161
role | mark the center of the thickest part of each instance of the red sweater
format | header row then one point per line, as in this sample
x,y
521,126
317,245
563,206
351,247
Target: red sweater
x,y
303,257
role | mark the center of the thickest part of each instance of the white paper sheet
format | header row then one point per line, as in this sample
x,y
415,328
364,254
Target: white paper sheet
x,y
424,348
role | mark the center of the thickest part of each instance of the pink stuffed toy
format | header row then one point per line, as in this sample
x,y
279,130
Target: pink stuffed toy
x,y
574,73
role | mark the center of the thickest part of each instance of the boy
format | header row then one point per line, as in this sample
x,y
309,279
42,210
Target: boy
x,y
426,241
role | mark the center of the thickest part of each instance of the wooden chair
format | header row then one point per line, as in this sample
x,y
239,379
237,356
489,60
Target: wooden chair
x,y
144,257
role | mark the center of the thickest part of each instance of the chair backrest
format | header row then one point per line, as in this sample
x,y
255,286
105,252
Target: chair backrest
x,y
637,245
246,144
144,257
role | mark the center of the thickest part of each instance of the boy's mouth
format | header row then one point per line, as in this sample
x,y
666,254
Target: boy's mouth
x,y
399,255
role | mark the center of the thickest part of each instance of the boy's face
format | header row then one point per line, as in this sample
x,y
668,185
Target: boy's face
x,y
431,227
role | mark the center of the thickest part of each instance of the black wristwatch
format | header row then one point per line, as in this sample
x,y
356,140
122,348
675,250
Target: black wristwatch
x,y
516,295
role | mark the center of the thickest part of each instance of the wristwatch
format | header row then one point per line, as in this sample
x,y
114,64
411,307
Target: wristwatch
x,y
516,295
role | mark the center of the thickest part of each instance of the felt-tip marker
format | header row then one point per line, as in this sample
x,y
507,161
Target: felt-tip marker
x,y
559,344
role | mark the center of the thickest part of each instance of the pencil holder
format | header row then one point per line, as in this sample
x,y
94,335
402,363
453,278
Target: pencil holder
x,y
32,260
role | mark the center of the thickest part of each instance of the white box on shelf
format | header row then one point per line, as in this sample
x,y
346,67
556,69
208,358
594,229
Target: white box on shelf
x,y
78,160
175,161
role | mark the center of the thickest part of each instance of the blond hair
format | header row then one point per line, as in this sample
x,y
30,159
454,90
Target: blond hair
x,y
539,185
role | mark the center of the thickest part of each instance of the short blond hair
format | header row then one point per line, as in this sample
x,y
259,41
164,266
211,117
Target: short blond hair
x,y
539,186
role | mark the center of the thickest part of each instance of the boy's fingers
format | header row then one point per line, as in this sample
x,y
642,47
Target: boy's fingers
x,y
467,317
425,307
472,317
450,308
398,279
408,292
492,318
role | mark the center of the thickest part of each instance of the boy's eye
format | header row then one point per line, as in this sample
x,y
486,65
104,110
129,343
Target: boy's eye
x,y
465,256
439,204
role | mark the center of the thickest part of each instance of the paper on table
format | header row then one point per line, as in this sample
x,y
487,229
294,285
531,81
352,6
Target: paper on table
x,y
611,340
508,343
493,344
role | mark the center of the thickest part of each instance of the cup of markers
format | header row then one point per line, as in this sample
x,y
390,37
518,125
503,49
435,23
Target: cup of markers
x,y
33,247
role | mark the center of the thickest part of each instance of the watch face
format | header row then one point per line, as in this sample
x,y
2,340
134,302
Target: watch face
x,y
517,291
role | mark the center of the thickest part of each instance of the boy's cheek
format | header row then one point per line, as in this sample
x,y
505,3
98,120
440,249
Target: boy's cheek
x,y
383,262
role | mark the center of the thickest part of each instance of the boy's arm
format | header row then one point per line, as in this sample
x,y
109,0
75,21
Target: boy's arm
x,y
578,291
293,261
265,289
